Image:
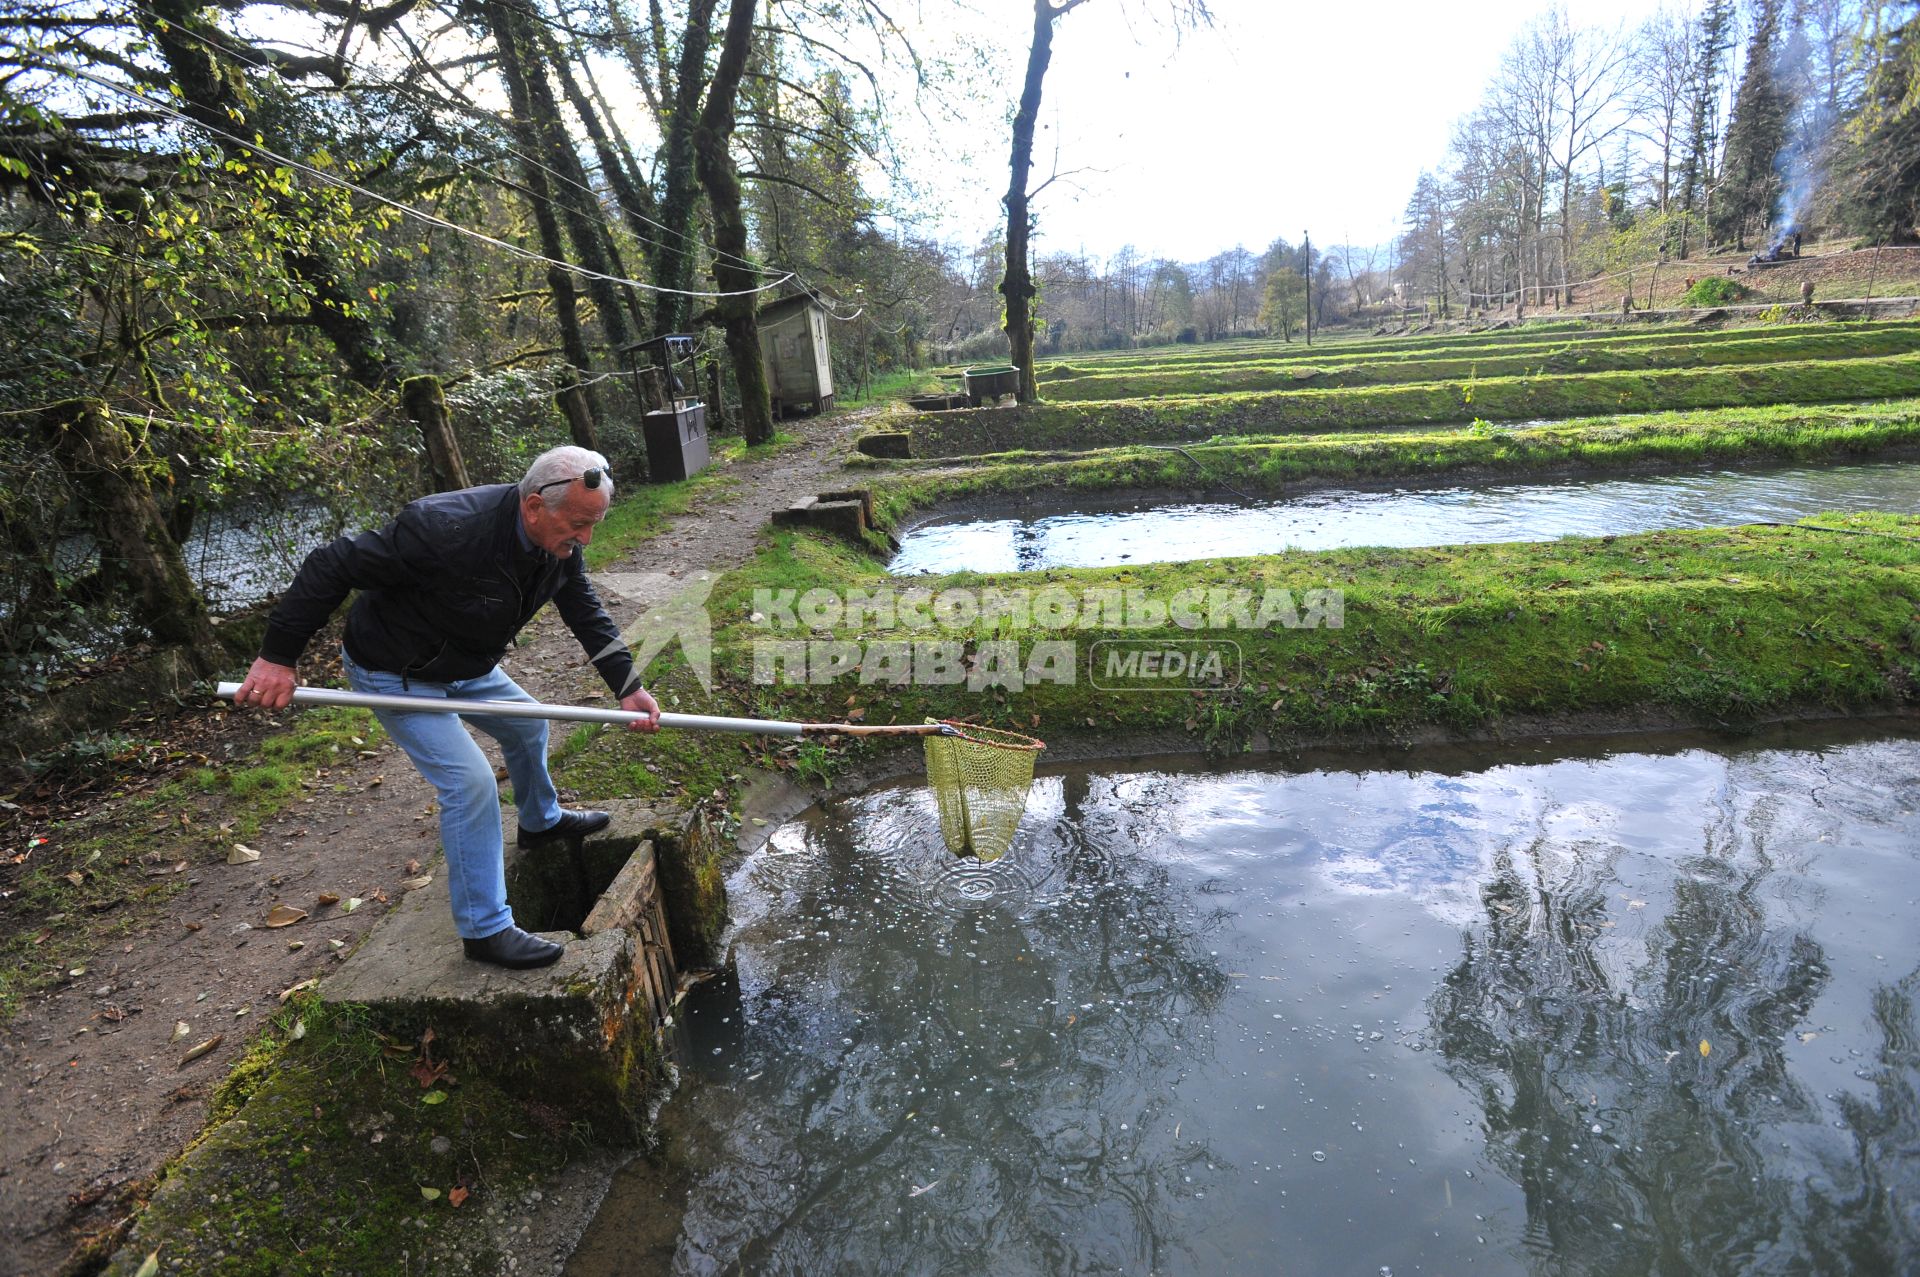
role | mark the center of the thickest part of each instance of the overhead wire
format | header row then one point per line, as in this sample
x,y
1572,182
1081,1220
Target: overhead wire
x,y
370,80
818,294
404,209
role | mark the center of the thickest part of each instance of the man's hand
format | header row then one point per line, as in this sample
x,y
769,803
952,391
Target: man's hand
x,y
640,701
267,685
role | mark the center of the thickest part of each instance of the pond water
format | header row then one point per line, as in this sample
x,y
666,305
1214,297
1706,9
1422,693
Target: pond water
x,y
1076,530
1643,1008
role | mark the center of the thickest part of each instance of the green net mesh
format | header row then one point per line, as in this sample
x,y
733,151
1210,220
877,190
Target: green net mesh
x,y
980,777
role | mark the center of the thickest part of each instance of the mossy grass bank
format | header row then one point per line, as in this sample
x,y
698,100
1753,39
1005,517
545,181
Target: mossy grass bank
x,y
1444,346
1069,427
1720,625
1597,445
1572,357
333,1148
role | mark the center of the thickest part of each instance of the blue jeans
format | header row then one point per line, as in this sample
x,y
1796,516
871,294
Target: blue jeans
x,y
454,765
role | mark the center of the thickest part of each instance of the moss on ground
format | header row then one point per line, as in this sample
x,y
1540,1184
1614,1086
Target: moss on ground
x,y
1090,426
325,1154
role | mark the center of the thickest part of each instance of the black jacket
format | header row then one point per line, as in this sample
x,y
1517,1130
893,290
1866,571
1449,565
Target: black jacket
x,y
444,589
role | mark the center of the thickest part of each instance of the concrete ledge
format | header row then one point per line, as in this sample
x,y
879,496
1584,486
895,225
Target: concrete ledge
x,y
847,513
595,1017
892,444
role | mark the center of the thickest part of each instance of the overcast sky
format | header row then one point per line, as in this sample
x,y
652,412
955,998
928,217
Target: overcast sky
x,y
1283,118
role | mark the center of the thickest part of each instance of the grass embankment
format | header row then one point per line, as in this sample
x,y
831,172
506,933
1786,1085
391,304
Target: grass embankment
x,y
1352,342
1715,625
87,883
1727,350
1437,346
1070,427
348,1162
1657,441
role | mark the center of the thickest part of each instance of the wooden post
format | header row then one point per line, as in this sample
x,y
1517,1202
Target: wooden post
x,y
426,402
716,402
653,389
572,401
99,459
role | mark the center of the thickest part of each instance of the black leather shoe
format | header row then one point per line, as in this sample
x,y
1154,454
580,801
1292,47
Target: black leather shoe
x,y
572,824
513,948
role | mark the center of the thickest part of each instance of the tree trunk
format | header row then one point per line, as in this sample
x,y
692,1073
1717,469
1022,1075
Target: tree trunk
x,y
1017,285
671,251
98,457
566,305
712,157
572,401
593,246
635,200
426,403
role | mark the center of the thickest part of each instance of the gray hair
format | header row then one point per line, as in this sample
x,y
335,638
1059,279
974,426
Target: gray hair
x,y
565,462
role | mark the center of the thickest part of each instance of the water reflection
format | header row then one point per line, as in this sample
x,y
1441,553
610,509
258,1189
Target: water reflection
x,y
1329,1019
1639,1084
1024,537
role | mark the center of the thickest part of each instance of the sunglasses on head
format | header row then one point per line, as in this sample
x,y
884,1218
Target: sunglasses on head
x,y
588,478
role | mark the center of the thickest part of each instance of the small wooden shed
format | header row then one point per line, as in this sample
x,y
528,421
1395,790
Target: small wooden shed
x,y
797,355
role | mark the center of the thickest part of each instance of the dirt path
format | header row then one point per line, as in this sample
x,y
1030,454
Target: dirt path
x,y
97,1096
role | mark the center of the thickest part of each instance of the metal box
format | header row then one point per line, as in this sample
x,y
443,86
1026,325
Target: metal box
x,y
676,442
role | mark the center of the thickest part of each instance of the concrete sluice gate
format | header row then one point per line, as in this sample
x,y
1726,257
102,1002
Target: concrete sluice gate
x,y
599,1020
1626,1004
1069,530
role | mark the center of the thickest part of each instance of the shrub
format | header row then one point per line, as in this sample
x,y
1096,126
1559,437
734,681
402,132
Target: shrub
x,y
1715,290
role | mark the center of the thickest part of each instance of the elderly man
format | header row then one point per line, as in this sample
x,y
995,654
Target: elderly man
x,y
444,589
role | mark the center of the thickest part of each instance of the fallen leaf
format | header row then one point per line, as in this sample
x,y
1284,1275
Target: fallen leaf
x,y
180,1029
456,1195
194,926
196,1051
1808,1036
414,884
298,1031
1706,1048
918,1189
326,898
242,854
413,867
293,946
431,1194
284,915
349,904
293,989
149,1266
75,878
434,1097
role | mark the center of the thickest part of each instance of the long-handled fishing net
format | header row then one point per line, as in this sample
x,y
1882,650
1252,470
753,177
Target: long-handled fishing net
x,y
980,775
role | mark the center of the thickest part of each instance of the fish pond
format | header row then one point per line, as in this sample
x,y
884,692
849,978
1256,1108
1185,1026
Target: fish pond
x,y
1067,530
1645,1005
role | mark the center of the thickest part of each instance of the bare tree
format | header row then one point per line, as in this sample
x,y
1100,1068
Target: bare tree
x,y
1017,286
1661,68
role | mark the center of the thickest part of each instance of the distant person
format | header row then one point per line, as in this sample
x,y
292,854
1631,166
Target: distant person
x,y
1796,244
444,589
